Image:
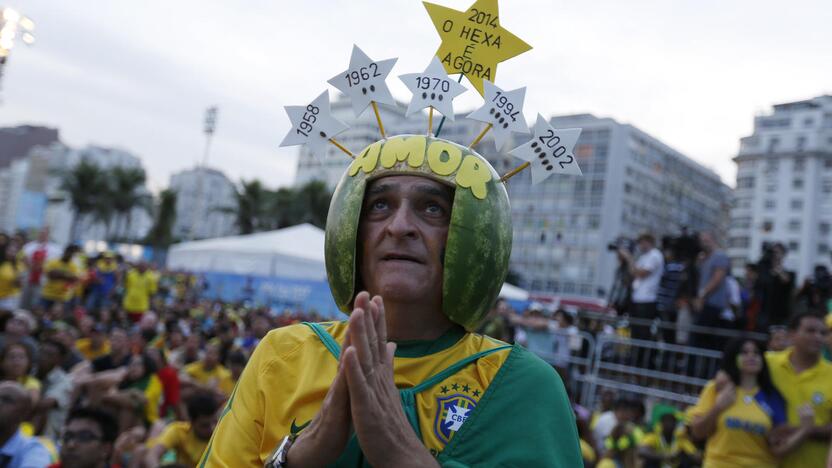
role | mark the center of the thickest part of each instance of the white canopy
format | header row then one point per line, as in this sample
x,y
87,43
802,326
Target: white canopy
x,y
513,293
293,252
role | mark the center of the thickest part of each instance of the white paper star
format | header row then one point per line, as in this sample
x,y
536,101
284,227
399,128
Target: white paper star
x,y
364,82
432,88
503,110
550,151
313,125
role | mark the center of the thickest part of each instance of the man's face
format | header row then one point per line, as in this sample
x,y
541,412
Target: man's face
x,y
706,241
403,231
203,426
48,357
13,403
118,341
644,246
83,445
212,356
810,336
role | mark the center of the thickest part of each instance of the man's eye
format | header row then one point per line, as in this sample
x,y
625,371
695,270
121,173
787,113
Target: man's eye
x,y
434,208
378,205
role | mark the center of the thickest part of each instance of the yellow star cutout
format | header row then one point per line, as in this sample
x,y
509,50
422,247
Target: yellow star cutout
x,y
473,42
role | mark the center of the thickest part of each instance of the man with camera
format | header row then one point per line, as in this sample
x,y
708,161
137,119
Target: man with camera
x,y
646,271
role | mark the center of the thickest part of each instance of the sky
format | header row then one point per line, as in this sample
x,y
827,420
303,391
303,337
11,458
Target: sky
x,y
139,75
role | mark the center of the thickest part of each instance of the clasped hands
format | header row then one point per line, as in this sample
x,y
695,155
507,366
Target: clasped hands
x,y
362,398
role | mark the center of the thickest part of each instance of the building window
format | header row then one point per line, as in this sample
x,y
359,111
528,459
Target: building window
x,y
797,184
827,163
743,222
739,242
823,228
794,225
823,249
745,182
794,246
773,143
771,187
768,226
799,163
808,122
770,204
771,165
801,143
797,204
826,186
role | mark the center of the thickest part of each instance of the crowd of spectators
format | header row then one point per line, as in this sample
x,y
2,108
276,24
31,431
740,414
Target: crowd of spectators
x,y
108,362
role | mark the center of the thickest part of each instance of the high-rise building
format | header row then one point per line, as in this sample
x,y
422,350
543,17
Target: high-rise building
x,y
784,187
631,183
205,203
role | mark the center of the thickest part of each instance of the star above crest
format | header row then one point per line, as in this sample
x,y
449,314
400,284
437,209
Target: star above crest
x,y
364,81
432,88
473,41
313,125
550,151
503,110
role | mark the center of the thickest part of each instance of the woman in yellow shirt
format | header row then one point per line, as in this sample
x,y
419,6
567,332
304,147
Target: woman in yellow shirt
x,y
738,410
16,365
11,271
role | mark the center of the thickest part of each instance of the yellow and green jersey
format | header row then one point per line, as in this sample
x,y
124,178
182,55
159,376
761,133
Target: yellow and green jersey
x,y
138,287
504,407
812,386
741,432
177,436
59,290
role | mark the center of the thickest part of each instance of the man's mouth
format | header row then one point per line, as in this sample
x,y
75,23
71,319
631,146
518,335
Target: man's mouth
x,y
400,257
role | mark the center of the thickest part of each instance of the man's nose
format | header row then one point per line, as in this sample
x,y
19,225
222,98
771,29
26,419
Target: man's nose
x,y
402,222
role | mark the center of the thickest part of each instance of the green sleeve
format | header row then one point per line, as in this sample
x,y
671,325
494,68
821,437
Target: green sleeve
x,y
523,419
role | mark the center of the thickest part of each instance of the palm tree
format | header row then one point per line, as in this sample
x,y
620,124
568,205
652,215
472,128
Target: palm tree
x,y
313,198
86,186
161,234
252,202
127,184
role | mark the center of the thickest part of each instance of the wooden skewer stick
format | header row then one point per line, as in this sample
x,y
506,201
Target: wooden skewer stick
x,y
480,136
514,171
341,147
378,117
430,120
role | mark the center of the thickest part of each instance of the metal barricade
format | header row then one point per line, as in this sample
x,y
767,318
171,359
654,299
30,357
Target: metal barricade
x,y
572,354
658,326
667,372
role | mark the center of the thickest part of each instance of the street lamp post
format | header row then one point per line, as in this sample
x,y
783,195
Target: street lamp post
x,y
13,24
209,127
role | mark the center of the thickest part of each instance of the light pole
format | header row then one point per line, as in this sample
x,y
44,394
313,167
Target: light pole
x,y
13,23
209,126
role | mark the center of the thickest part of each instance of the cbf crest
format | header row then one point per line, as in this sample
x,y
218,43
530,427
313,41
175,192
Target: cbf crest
x,y
452,411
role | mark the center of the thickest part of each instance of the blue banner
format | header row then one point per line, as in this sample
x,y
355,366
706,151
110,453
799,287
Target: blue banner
x,y
272,291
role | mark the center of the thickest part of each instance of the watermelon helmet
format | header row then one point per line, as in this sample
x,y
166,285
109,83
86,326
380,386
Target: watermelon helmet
x,y
479,235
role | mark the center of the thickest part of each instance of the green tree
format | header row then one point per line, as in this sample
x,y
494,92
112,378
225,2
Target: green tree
x,y
86,186
127,184
252,207
161,234
313,200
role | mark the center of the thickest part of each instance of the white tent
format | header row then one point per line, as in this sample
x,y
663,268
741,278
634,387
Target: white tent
x,y
293,252
513,293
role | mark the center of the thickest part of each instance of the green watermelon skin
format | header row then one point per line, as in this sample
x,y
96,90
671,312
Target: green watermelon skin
x,y
477,254
477,249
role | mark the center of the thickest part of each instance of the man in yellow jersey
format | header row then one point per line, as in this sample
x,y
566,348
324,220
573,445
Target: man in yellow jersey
x,y
61,275
416,255
805,381
139,285
186,439
208,374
